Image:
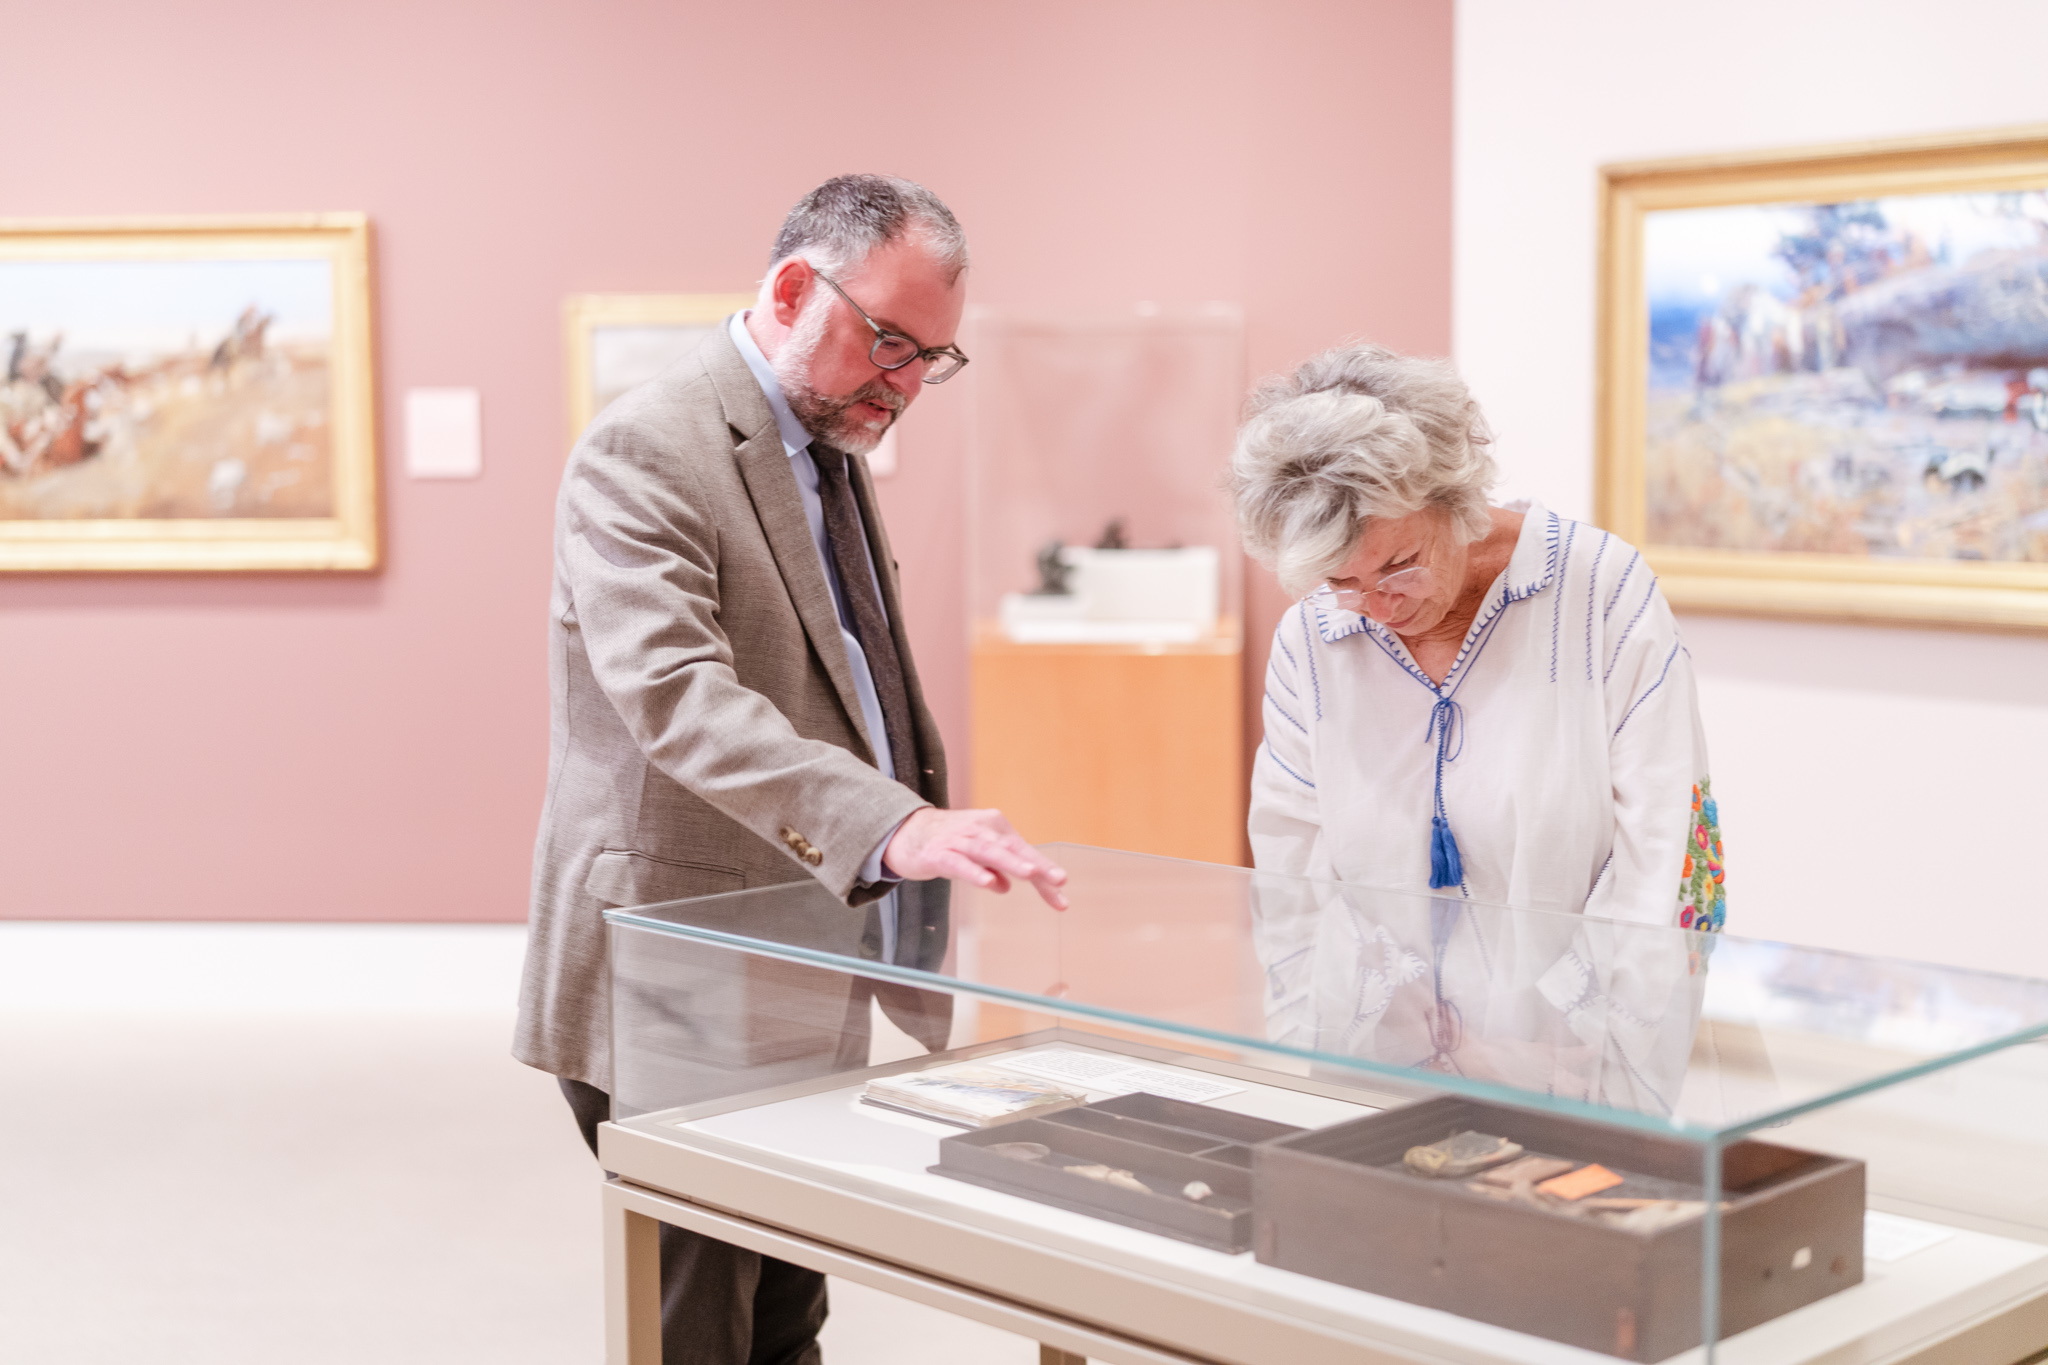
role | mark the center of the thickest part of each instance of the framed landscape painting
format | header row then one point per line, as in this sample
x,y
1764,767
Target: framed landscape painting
x,y
187,395
1824,378
616,341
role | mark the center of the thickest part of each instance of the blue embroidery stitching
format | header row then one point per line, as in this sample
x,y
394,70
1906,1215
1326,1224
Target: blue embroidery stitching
x,y
1274,702
1653,687
1615,596
1285,769
1315,683
1592,594
1630,627
1594,889
1557,608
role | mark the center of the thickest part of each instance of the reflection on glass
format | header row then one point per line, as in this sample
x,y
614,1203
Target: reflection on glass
x,y
1715,1033
1556,1005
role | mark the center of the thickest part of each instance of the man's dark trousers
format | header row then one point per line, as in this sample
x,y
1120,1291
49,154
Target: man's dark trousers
x,y
741,1308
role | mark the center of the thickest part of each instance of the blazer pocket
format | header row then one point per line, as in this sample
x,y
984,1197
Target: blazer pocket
x,y
625,877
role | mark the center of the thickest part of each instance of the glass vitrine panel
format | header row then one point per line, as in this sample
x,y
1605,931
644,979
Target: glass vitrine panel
x,y
1096,510
1554,1133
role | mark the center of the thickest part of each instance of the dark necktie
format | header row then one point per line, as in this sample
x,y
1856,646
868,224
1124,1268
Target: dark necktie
x,y
857,583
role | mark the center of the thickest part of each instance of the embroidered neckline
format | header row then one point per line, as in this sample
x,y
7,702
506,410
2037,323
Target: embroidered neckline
x,y
1335,625
1516,584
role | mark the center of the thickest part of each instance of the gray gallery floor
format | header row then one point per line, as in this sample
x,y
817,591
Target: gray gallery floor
x,y
231,1144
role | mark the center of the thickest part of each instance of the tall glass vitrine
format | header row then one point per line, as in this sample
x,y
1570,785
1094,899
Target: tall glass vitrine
x,y
1105,582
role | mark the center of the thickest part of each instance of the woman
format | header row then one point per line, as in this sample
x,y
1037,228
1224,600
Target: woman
x,y
1478,701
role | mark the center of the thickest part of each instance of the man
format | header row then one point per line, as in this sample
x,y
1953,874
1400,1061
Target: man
x,y
734,701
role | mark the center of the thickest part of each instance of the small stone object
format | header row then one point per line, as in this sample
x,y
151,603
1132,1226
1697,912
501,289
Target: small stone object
x,y
1580,1183
1461,1154
1196,1190
1657,1214
1110,1175
1500,1192
1021,1151
1526,1170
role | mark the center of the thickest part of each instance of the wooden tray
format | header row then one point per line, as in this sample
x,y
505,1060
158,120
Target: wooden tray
x,y
1326,1203
1165,1143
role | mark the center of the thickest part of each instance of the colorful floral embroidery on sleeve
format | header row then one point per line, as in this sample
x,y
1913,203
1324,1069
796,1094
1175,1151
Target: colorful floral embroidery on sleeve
x,y
1702,901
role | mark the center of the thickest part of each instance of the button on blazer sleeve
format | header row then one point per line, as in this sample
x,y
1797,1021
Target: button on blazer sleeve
x,y
638,542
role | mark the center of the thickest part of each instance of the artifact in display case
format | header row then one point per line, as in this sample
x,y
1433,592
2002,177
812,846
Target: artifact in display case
x,y
972,1094
1097,452
1114,593
1146,1161
1357,1118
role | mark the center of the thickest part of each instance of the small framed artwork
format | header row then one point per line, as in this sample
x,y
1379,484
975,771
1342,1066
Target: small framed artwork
x,y
1824,378
187,394
617,341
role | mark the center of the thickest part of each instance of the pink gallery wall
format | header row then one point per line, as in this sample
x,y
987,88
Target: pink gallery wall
x,y
375,747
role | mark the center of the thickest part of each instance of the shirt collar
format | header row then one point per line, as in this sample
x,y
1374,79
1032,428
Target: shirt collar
x,y
794,437
1534,563
1530,570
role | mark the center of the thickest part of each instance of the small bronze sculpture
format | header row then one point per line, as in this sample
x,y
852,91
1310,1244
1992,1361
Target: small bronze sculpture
x,y
1053,572
1113,536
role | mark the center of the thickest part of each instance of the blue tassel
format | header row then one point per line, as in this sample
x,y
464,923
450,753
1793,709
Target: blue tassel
x,y
1445,867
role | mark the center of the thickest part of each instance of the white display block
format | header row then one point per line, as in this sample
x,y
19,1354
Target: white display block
x,y
1122,597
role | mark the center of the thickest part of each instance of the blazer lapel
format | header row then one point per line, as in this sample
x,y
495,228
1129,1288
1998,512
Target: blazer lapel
x,y
771,483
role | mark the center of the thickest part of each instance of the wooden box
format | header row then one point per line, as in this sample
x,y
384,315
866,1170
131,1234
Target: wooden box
x,y
1166,1143
1336,1203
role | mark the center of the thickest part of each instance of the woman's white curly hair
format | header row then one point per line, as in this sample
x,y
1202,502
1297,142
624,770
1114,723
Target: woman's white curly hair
x,y
1355,433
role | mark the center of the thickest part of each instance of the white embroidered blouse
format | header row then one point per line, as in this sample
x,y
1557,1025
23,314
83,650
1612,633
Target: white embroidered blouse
x,y
1574,772
1564,753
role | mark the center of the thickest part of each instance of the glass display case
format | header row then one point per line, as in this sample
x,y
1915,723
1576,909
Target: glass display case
x,y
1096,514
1105,582
1256,1118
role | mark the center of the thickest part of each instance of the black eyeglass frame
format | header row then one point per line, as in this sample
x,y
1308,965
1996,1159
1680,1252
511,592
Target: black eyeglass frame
x,y
927,354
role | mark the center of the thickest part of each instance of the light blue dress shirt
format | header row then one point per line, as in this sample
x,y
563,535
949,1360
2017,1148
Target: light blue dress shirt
x,y
797,442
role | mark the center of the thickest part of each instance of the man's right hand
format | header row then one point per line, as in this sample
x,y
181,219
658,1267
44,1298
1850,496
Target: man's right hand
x,y
977,846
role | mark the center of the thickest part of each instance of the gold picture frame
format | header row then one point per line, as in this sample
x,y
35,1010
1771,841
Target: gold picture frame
x,y
613,341
1823,410
188,394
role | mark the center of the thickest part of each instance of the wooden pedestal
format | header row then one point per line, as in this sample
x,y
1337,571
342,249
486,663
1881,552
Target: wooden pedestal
x,y
1122,746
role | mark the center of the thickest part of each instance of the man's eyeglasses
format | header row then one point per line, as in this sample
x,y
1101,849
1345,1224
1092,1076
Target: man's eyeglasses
x,y
893,350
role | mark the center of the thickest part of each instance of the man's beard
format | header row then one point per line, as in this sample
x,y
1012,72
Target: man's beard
x,y
831,420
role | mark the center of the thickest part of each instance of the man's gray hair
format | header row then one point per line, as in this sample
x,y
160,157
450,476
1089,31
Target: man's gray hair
x,y
1356,432
836,225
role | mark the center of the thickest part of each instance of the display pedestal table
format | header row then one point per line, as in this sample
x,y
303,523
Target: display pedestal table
x,y
1124,746
1975,1299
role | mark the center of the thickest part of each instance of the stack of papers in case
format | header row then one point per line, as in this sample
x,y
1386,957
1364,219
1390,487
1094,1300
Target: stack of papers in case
x,y
970,1093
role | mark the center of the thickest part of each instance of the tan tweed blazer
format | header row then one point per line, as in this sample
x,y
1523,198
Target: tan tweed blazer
x,y
705,735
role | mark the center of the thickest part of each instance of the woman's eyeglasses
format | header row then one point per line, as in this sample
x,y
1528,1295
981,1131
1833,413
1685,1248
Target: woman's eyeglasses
x,y
1385,599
